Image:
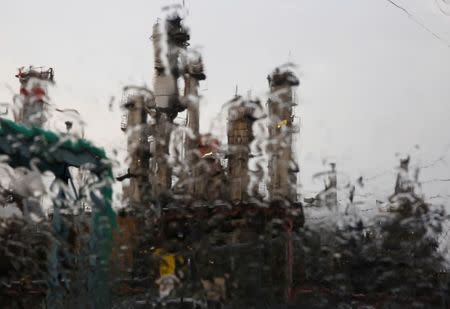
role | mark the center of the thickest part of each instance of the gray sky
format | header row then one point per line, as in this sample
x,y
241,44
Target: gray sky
x,y
374,82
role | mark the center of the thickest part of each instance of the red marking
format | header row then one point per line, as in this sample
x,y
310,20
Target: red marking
x,y
39,92
24,92
208,144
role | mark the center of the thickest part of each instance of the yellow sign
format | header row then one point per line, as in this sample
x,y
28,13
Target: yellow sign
x,y
168,263
167,266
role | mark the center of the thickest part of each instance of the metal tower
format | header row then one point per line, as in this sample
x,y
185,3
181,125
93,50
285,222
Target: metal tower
x,y
241,116
168,103
31,103
282,170
174,64
138,106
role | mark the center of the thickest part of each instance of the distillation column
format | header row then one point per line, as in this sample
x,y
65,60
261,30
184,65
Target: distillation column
x,y
193,74
192,77
282,170
30,107
168,103
137,129
240,135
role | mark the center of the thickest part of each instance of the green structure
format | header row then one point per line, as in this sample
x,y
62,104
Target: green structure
x,y
47,151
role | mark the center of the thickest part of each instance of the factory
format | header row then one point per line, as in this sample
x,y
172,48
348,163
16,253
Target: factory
x,y
204,221
213,170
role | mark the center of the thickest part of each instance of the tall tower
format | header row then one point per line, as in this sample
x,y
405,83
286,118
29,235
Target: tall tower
x,y
239,131
282,171
138,130
193,74
168,103
31,109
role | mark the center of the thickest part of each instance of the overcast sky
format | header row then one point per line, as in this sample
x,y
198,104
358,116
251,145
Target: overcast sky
x,y
373,81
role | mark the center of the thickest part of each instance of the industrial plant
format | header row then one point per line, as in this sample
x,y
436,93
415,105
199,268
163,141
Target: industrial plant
x,y
204,221
214,170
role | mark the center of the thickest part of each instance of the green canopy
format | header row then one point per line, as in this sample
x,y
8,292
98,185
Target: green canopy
x,y
48,151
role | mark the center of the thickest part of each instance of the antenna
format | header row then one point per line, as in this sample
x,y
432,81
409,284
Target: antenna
x,y
236,91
